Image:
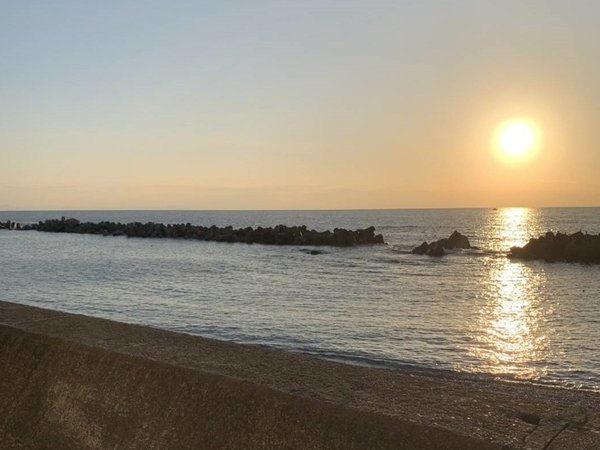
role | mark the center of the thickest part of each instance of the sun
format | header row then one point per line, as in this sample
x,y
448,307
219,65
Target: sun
x,y
517,139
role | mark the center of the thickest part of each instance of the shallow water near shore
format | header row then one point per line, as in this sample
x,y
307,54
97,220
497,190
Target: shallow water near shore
x,y
471,311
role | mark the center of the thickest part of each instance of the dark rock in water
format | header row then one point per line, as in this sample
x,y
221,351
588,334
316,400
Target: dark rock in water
x,y
313,252
457,240
8,225
421,249
278,235
368,236
378,239
438,248
577,247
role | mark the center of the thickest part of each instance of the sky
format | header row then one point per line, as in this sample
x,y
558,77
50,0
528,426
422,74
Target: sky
x,y
296,105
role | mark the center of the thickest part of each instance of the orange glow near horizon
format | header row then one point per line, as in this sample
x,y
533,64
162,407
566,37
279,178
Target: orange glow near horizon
x,y
310,107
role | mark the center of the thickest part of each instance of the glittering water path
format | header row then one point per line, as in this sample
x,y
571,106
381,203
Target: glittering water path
x,y
471,311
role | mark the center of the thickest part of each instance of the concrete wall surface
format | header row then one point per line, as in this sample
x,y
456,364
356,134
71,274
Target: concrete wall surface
x,y
64,383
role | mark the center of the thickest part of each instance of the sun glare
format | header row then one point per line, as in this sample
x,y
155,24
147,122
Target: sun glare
x,y
517,139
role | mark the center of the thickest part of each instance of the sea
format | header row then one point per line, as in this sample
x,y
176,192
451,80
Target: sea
x,y
471,311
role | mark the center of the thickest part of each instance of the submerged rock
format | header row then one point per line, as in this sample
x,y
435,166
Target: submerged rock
x,y
313,252
438,248
576,247
278,235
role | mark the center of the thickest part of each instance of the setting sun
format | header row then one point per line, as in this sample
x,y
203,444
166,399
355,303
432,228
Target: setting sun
x,y
517,139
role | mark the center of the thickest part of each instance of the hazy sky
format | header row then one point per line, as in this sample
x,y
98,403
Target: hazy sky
x,y
295,104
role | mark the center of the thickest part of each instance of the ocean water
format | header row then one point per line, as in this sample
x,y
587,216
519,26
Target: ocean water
x,y
470,311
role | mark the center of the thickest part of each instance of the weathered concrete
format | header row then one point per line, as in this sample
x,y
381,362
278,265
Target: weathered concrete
x,y
69,381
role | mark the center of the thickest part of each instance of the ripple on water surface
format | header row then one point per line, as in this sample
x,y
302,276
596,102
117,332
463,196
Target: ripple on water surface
x,y
470,311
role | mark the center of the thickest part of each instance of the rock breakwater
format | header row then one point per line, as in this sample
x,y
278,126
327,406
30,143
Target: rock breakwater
x,y
438,248
8,225
560,247
278,235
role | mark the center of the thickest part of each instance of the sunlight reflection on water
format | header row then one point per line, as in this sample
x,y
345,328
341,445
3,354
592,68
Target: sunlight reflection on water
x,y
510,331
516,226
472,310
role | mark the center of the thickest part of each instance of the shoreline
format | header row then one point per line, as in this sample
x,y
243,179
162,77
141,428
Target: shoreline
x,y
489,412
406,368
415,369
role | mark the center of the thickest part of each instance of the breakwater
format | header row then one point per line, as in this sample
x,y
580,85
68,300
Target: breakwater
x,y
439,247
9,225
578,247
278,235
560,247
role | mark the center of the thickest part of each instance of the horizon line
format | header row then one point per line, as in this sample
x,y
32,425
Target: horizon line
x,y
292,209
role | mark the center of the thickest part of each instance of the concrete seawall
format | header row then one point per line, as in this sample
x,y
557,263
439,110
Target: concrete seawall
x,y
69,381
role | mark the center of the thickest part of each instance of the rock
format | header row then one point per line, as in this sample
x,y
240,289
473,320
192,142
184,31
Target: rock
x,y
438,248
421,249
313,252
344,238
457,240
577,247
14,226
365,236
278,235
